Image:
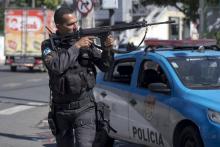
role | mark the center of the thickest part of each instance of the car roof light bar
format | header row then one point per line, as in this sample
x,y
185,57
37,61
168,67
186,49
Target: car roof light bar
x,y
180,43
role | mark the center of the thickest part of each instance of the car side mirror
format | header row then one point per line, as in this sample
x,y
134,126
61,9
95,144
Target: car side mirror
x,y
159,87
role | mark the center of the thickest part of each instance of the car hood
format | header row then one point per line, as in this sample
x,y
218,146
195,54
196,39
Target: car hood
x,y
207,98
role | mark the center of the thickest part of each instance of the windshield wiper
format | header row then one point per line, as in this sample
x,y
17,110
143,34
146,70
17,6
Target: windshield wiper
x,y
204,85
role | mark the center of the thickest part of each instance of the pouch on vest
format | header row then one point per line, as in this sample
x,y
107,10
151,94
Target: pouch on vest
x,y
57,84
74,83
90,78
85,58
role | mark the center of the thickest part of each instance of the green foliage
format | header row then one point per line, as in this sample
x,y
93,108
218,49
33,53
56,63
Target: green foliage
x,y
213,2
51,4
1,21
217,37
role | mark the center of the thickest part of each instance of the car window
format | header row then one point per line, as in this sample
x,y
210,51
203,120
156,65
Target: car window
x,y
151,72
121,72
198,72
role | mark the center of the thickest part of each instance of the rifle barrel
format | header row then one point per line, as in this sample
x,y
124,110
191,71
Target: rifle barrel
x,y
164,22
97,31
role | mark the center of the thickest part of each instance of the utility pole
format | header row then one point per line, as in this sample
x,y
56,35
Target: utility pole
x,y
33,4
86,9
6,3
111,16
88,21
110,5
201,15
112,19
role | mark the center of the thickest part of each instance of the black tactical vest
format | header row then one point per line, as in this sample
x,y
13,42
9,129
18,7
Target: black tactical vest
x,y
78,79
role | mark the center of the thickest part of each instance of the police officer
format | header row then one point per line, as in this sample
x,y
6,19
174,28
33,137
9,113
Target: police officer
x,y
72,73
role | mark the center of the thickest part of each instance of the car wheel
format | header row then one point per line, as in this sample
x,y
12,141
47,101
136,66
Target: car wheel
x,y
31,68
189,137
13,68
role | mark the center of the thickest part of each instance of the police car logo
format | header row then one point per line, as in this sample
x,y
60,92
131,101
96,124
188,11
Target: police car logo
x,y
47,51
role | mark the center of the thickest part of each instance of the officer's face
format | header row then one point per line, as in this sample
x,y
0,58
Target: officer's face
x,y
69,24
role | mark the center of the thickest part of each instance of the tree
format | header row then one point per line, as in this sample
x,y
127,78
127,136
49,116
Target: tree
x,y
51,4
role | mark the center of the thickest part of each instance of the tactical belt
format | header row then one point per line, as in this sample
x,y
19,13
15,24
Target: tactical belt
x,y
72,105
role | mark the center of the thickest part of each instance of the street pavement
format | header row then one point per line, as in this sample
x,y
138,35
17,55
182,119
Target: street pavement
x,y
24,99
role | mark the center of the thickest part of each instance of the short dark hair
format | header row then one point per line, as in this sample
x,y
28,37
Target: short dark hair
x,y
59,14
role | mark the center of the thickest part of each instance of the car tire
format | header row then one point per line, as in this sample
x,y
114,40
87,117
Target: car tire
x,y
31,68
13,68
189,137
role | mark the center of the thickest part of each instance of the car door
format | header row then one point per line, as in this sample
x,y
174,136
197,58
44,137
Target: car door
x,y
147,113
114,90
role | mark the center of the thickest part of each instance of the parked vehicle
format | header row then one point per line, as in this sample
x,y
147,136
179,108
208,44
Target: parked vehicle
x,y
165,96
24,32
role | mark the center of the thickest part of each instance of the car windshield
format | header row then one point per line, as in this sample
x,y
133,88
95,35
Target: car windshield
x,y
198,72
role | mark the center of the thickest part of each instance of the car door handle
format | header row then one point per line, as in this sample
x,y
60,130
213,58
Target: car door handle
x,y
103,94
133,102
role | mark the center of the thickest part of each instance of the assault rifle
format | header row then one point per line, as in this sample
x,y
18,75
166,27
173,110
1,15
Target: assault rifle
x,y
104,31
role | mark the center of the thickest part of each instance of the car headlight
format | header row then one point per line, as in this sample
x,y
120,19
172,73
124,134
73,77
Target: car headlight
x,y
214,115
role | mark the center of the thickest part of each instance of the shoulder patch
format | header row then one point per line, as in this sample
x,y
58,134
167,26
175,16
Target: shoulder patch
x,y
46,51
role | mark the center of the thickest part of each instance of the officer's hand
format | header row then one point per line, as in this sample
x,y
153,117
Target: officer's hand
x,y
109,42
84,42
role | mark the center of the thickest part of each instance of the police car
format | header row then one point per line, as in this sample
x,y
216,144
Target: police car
x,y
165,96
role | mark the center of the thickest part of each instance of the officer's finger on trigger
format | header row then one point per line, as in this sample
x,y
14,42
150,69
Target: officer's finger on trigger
x,y
92,38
